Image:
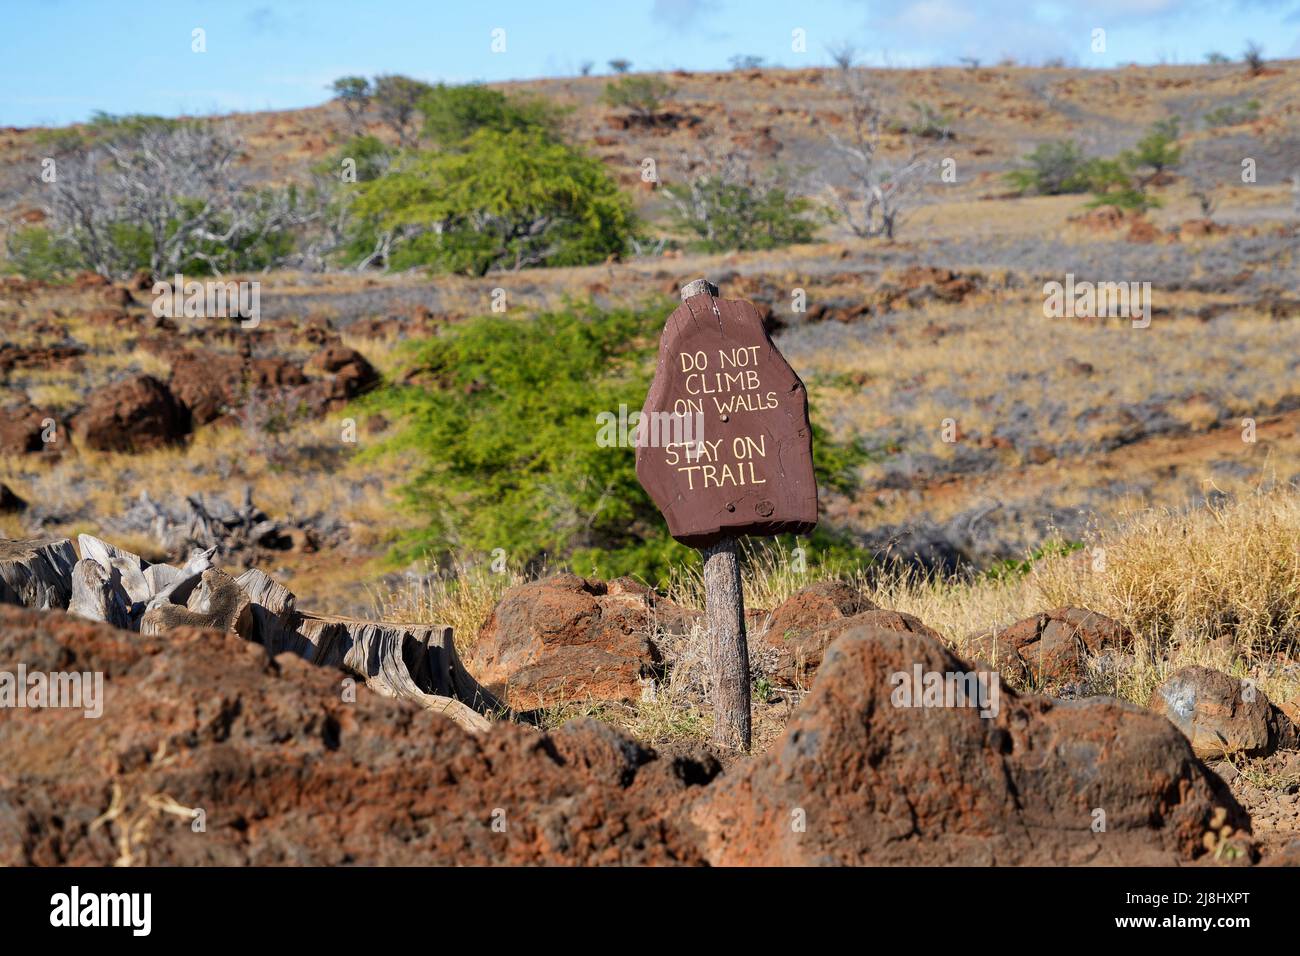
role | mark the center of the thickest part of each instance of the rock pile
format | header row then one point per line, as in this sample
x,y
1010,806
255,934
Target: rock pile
x,y
282,768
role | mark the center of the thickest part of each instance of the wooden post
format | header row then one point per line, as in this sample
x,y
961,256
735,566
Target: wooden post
x,y
724,604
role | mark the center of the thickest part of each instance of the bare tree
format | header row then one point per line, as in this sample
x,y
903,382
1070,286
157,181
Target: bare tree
x,y
844,55
171,189
878,190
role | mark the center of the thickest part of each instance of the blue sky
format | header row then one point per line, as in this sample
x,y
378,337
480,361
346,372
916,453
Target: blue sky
x,y
62,59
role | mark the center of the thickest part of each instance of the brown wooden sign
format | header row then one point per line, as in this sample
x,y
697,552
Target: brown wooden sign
x,y
724,442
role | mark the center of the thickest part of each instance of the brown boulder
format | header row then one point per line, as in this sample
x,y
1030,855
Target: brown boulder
x,y
209,384
861,777
346,372
287,771
566,639
810,621
1222,715
1053,647
814,607
22,430
130,416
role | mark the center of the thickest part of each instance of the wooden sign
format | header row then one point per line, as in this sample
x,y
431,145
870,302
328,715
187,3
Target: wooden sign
x,y
724,442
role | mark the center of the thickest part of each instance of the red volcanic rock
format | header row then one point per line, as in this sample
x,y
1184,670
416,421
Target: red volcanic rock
x,y
130,416
1052,647
285,771
22,430
1222,715
566,639
809,622
861,778
209,384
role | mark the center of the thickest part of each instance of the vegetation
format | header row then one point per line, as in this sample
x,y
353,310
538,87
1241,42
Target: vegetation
x,y
397,100
454,113
1059,167
1232,114
1053,169
643,95
502,431
731,208
503,200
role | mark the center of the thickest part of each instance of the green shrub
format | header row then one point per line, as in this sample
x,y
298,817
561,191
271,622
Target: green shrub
x,y
1054,169
643,95
727,213
1158,149
502,434
454,113
34,253
505,200
1232,114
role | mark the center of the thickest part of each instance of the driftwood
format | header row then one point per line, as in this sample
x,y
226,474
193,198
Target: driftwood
x,y
37,572
130,566
98,595
412,661
274,616
217,602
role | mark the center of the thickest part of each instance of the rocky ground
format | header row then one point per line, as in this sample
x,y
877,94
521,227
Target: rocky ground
x,y
234,727
171,437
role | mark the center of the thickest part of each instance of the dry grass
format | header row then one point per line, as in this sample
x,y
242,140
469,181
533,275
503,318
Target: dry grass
x,y
1217,586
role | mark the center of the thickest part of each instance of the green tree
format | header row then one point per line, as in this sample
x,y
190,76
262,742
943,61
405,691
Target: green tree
x,y
643,95
354,92
500,421
1052,169
506,200
454,113
397,98
1157,151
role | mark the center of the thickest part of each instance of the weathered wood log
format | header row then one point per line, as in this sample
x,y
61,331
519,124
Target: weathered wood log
x,y
37,572
98,595
274,615
217,602
412,661
131,566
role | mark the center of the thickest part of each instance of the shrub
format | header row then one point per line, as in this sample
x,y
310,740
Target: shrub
x,y
33,252
1253,57
1054,169
1232,114
505,200
732,208
620,65
930,123
1158,149
503,436
454,113
643,95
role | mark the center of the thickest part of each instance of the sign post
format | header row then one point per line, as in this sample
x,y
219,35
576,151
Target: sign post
x,y
724,448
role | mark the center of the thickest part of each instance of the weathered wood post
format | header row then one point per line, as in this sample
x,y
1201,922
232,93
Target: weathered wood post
x,y
724,449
